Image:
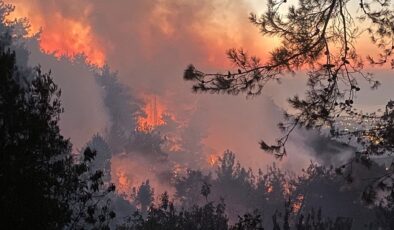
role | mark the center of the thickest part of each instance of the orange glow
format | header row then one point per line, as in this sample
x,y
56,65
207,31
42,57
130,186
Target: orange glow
x,y
123,185
213,159
154,111
270,189
173,144
129,172
297,205
65,35
178,170
74,39
219,38
61,36
288,188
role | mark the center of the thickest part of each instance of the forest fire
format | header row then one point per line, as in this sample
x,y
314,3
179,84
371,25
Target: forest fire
x,y
297,205
123,183
75,39
62,36
154,111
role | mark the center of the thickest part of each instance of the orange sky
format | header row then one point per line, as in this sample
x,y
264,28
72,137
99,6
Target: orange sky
x,y
151,42
62,36
69,33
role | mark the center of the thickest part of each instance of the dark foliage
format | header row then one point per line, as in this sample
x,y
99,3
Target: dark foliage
x,y
143,196
147,144
209,216
122,107
268,191
165,216
102,160
319,36
43,186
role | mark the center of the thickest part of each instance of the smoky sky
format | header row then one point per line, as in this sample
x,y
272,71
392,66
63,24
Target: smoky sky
x,y
84,111
150,43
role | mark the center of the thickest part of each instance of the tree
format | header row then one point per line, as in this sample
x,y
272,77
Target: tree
x,y
164,215
320,187
148,144
385,215
319,36
102,161
88,195
43,185
28,120
187,187
123,109
40,179
144,196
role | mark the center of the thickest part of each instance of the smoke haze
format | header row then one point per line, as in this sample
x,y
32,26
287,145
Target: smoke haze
x,y
150,43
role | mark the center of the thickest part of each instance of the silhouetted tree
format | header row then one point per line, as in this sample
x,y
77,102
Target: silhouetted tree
x,y
147,144
102,160
249,221
384,214
41,182
88,195
165,216
43,186
143,196
319,36
122,107
187,187
206,190
319,186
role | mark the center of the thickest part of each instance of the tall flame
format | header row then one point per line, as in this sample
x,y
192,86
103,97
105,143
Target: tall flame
x,y
213,159
154,111
297,205
123,183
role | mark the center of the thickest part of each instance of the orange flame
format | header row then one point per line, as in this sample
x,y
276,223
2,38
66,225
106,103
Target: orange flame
x,y
61,36
75,38
297,205
123,185
288,188
154,111
270,189
213,159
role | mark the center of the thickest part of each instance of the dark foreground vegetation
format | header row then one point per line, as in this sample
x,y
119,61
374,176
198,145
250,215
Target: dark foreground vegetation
x,y
44,185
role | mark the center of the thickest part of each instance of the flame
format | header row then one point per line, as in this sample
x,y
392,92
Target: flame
x,y
172,143
156,115
178,170
297,205
270,188
288,188
154,111
61,36
123,185
75,38
213,159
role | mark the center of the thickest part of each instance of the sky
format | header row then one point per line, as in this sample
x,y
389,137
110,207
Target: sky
x,y
150,43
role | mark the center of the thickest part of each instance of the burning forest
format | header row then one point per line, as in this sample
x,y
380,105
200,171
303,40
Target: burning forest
x,y
284,119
